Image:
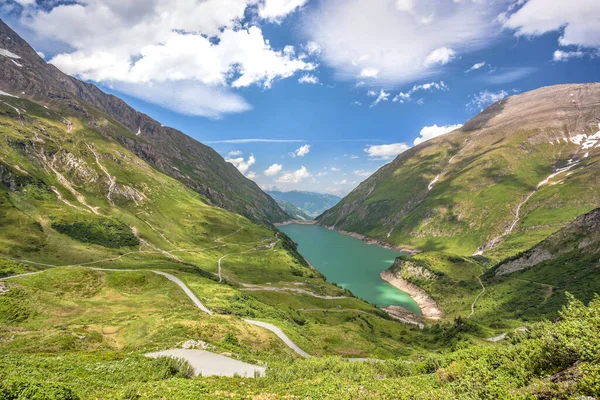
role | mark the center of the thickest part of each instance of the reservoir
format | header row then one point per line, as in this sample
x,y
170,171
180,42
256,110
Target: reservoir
x,y
350,263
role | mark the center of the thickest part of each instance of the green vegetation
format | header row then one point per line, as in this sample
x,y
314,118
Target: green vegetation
x,y
104,232
552,360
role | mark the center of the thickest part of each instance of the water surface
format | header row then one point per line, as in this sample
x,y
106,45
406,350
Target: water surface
x,y
350,263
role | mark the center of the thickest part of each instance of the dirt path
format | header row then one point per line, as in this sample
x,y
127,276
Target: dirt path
x,y
255,288
477,298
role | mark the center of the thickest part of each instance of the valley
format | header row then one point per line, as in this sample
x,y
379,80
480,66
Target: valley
x,y
139,263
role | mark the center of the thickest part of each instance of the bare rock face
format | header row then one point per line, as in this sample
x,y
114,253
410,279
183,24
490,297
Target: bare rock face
x,y
168,150
582,234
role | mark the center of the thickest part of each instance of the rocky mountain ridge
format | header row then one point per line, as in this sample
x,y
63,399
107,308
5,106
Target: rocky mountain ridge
x,y
170,151
512,175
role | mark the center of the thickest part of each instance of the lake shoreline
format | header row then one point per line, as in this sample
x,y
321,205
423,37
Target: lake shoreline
x,y
428,306
375,242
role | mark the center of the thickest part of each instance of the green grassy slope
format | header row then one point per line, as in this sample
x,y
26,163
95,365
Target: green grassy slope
x,y
548,360
485,171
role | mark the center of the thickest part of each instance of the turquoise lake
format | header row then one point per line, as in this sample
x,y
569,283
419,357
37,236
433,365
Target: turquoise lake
x,y
350,263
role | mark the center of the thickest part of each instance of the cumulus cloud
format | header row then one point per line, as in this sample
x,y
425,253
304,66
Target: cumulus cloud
x,y
403,97
251,175
242,164
442,56
308,78
476,66
386,151
273,170
139,47
483,99
295,176
234,153
560,55
276,10
301,151
366,40
429,132
576,20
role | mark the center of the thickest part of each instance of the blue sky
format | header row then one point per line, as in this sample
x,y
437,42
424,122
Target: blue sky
x,y
314,94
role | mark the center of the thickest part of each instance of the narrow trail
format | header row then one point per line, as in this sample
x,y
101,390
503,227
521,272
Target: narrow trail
x,y
476,298
190,294
255,288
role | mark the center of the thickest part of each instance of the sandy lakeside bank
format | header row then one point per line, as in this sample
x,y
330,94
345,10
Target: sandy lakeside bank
x,y
427,305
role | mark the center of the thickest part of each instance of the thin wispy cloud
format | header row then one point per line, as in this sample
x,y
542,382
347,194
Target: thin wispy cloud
x,y
255,141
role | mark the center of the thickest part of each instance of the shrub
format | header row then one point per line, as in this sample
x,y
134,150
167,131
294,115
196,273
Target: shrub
x,y
104,232
21,390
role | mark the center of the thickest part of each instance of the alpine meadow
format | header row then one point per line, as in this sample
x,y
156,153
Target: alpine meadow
x,y
299,199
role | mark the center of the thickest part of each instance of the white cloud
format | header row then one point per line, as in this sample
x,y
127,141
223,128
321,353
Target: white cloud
x,y
334,169
273,170
141,47
312,48
255,140
406,96
301,151
251,175
241,164
429,132
381,96
386,151
369,73
188,97
234,153
362,173
483,99
276,10
308,78
295,177
42,55
560,55
399,41
441,56
476,66
576,20
320,174
508,75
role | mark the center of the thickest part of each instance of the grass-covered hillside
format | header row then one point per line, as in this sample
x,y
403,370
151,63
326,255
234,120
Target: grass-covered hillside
x,y
546,360
511,176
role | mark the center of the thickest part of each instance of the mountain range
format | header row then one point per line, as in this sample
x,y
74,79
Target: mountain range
x,y
514,174
310,203
170,151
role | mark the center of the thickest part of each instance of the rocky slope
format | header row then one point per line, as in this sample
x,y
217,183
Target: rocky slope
x,y
578,239
170,151
514,174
